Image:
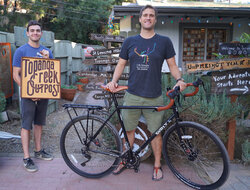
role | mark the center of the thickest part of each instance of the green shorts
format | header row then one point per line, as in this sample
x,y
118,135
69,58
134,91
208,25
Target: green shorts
x,y
131,116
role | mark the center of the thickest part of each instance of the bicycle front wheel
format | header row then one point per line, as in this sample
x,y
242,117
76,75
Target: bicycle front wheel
x,y
90,147
196,155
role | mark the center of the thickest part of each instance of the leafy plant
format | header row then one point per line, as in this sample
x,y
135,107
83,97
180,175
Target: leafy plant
x,y
80,77
245,38
219,56
80,83
209,109
68,86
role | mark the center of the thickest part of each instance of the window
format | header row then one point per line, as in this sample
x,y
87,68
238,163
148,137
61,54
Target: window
x,y
200,43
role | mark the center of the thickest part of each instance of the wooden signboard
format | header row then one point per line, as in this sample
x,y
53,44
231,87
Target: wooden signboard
x,y
108,75
40,78
107,38
234,49
6,78
100,52
93,87
234,82
218,65
102,96
102,61
92,74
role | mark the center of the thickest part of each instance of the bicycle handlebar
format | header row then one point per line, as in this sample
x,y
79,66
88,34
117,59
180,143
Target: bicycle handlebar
x,y
175,92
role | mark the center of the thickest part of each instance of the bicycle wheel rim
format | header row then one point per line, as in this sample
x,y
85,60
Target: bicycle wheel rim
x,y
210,169
95,160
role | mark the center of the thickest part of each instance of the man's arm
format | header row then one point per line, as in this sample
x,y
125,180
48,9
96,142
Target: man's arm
x,y
17,75
118,72
175,72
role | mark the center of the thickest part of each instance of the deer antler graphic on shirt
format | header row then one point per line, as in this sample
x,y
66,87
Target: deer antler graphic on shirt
x,y
145,54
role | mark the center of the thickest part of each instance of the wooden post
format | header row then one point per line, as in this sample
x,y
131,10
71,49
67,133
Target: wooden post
x,y
231,126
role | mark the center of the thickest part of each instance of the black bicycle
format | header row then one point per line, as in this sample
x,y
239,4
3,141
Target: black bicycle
x,y
91,146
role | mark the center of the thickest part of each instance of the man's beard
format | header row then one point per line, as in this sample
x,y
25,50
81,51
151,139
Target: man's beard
x,y
35,41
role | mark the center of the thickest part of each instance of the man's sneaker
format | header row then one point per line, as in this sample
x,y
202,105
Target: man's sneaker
x,y
29,165
43,155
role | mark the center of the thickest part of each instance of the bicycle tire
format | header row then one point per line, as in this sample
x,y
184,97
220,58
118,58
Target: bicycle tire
x,y
98,159
208,165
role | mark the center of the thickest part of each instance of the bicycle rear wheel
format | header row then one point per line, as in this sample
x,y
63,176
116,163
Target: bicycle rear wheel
x,y
87,156
196,155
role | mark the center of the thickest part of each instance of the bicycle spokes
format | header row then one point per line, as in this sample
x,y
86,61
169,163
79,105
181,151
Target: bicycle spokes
x,y
90,147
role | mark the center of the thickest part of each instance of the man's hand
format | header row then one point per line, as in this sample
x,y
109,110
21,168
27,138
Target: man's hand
x,y
45,53
182,85
112,86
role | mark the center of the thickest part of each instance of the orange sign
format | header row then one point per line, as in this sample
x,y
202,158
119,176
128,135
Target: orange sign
x,y
41,78
6,78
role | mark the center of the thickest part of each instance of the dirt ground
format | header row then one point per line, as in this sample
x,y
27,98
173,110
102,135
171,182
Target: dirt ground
x,y
51,132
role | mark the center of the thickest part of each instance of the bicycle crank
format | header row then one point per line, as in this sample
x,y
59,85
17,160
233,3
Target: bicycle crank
x,y
132,161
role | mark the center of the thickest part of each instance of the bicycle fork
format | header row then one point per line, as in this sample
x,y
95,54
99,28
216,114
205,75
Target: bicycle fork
x,y
185,143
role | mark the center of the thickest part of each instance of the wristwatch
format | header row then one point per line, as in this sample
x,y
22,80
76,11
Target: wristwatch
x,y
179,80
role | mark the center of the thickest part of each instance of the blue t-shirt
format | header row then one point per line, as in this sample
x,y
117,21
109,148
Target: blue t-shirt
x,y
146,57
28,51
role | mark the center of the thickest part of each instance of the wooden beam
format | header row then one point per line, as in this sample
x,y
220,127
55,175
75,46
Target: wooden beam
x,y
231,126
107,38
100,52
102,61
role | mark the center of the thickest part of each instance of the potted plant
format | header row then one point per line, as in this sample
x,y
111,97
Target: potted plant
x,y
80,86
83,80
68,92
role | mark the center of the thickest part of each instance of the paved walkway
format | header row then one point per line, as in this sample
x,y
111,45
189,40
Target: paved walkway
x,y
55,175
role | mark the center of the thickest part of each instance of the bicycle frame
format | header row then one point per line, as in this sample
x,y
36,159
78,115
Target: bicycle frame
x,y
158,131
118,109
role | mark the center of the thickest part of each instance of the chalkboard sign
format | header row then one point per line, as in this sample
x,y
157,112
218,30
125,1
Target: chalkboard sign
x,y
234,82
234,49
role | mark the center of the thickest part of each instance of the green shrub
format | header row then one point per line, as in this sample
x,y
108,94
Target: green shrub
x,y
209,109
68,86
